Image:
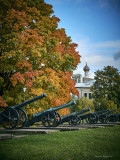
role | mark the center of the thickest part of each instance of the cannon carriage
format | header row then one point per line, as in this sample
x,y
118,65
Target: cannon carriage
x,y
14,116
49,117
73,118
114,117
93,118
104,117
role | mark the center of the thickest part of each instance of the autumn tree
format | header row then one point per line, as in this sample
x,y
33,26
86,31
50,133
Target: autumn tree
x,y
106,88
35,53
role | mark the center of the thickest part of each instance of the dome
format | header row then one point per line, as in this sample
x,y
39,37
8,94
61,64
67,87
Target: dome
x,y
86,68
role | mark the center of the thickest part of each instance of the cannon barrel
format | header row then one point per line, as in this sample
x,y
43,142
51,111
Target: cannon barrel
x,y
97,112
108,112
53,109
76,113
100,112
83,116
82,111
29,101
64,106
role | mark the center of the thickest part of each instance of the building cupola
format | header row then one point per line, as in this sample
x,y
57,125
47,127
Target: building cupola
x,y
86,70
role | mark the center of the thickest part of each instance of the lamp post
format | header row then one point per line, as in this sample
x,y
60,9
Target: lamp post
x,y
24,89
99,106
82,101
82,96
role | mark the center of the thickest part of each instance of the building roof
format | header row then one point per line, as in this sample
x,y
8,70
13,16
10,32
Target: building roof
x,y
85,85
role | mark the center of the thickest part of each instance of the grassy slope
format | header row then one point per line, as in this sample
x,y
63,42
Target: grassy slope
x,y
90,144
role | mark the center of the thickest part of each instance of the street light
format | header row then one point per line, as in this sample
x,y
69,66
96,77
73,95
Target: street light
x,y
99,105
82,96
82,101
42,64
24,89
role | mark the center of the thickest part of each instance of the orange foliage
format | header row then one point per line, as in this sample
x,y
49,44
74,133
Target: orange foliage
x,y
24,65
64,111
2,103
71,50
60,34
19,19
17,77
32,39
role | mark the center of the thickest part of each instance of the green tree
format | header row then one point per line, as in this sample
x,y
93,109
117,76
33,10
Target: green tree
x,y
106,88
82,104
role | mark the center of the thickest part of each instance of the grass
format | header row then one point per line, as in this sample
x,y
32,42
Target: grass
x,y
90,144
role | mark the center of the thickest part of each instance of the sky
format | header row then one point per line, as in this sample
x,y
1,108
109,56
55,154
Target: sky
x,y
95,26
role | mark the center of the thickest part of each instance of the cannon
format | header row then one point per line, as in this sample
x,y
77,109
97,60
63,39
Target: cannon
x,y
103,118
93,118
73,118
49,117
84,117
14,116
114,117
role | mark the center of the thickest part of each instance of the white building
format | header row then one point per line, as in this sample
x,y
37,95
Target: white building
x,y
83,84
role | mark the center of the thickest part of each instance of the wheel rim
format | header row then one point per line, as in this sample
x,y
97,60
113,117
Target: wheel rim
x,y
118,118
92,118
103,118
112,118
10,118
22,118
73,120
58,119
49,119
79,121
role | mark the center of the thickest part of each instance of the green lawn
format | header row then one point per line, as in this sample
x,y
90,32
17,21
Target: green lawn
x,y
90,144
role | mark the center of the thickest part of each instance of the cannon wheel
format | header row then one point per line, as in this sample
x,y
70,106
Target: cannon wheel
x,y
73,120
76,120
92,119
86,119
58,119
97,118
49,119
103,118
22,118
79,120
112,118
10,118
118,118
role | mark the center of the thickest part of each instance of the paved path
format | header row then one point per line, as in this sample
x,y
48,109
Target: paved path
x,y
9,136
6,134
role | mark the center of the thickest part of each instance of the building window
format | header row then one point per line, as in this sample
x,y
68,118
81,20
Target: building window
x,y
90,95
85,94
78,80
